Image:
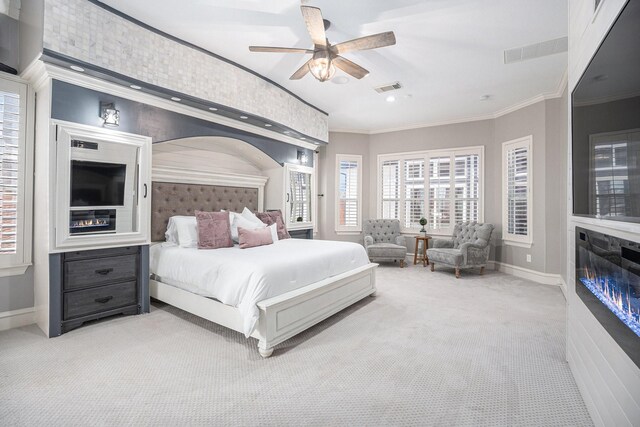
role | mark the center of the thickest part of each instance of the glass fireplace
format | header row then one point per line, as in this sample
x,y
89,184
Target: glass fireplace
x,y
608,282
92,221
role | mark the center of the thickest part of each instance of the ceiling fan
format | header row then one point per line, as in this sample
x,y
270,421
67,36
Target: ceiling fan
x,y
325,55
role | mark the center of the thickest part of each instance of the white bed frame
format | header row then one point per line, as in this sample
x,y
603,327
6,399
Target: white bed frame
x,y
283,316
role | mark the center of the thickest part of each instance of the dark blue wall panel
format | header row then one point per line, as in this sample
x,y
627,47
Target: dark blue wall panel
x,y
80,105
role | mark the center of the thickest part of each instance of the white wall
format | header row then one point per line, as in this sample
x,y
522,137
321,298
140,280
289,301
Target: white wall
x,y
608,380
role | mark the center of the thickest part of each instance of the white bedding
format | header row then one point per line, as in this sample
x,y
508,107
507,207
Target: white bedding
x,y
243,277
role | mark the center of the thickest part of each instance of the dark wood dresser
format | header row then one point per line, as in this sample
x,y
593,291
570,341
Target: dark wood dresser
x,y
100,283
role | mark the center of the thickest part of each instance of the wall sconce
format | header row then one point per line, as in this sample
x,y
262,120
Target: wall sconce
x,y
302,157
109,114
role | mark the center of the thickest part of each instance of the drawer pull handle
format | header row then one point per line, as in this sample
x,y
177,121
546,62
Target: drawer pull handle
x,y
104,271
103,300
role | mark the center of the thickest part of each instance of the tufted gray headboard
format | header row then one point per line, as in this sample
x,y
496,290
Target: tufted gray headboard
x,y
169,199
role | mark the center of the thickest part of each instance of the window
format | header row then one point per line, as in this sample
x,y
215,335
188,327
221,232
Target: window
x,y
300,196
516,192
15,183
390,187
444,186
349,194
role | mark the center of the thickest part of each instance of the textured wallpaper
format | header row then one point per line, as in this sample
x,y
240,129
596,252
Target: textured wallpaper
x,y
84,31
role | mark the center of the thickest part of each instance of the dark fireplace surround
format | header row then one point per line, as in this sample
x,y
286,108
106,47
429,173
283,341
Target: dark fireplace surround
x,y
608,282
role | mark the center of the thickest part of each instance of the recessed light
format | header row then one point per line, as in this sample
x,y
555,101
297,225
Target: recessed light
x,y
391,98
287,132
136,87
175,98
268,125
76,68
340,80
485,97
213,109
244,117
302,137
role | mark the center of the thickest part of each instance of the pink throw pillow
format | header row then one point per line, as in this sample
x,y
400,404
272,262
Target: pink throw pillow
x,y
275,217
214,230
252,238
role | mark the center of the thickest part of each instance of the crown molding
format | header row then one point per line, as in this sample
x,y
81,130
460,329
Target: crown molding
x,y
562,85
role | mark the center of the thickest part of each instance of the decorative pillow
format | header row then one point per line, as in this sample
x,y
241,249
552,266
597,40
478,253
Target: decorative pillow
x,y
253,238
213,230
187,230
247,214
275,217
237,220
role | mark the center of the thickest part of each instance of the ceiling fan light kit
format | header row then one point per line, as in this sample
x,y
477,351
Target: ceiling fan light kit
x,y
321,67
326,57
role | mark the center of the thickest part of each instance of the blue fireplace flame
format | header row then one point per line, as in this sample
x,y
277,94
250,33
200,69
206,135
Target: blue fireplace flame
x,y
616,298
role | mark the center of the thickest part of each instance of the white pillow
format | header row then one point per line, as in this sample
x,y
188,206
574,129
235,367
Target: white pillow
x,y
171,235
247,214
274,232
237,220
187,230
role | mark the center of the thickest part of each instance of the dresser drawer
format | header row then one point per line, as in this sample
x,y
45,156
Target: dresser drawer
x,y
96,300
100,253
94,272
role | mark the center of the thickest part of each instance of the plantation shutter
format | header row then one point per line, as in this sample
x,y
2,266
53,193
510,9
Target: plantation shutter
x,y
467,188
414,192
518,191
390,176
439,192
300,196
348,214
9,158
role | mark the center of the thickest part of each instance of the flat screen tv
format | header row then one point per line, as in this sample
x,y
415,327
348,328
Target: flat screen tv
x,y
97,184
606,125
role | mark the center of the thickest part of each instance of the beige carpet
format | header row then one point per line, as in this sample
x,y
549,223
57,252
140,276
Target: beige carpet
x,y
428,350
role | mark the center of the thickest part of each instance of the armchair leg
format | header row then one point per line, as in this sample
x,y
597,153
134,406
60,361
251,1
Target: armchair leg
x,y
481,271
432,266
401,263
457,273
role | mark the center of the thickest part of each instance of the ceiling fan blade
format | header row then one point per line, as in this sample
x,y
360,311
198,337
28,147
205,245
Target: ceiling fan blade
x,y
363,43
349,67
315,25
301,72
279,49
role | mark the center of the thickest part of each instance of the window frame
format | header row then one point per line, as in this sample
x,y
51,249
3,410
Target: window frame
x,y
510,238
346,229
427,155
17,263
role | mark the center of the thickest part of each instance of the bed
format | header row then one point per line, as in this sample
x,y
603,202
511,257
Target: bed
x,y
270,292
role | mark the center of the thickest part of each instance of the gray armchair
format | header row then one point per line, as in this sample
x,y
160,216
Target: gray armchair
x,y
469,247
383,241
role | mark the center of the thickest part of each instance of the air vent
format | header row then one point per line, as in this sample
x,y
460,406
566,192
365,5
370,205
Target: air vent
x,y
388,88
537,50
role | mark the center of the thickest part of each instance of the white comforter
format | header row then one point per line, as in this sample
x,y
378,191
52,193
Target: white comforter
x,y
242,277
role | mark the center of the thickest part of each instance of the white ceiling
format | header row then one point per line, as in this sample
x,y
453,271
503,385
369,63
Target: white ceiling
x,y
448,53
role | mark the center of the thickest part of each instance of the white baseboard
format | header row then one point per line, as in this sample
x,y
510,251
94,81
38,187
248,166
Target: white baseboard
x,y
563,287
525,273
17,318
